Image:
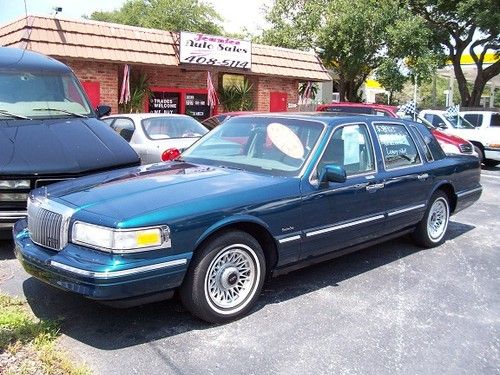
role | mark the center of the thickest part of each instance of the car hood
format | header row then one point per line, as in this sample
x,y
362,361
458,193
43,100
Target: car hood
x,y
156,193
61,146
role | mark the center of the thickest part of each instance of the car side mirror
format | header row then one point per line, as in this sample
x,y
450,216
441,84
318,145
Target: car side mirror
x,y
103,110
442,125
332,173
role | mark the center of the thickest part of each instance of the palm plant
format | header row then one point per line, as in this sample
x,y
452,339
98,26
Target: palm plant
x,y
237,97
139,92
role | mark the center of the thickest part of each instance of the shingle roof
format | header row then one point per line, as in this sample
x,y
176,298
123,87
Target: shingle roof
x,y
102,41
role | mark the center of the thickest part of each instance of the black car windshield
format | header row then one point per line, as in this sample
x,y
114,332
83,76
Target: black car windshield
x,y
173,127
41,95
278,146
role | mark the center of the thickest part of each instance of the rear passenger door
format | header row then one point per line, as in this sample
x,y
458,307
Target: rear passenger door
x,y
407,183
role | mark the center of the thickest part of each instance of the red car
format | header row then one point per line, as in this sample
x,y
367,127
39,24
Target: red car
x,y
450,144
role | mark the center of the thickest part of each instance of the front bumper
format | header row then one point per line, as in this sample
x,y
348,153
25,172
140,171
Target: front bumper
x,y
492,153
8,218
97,275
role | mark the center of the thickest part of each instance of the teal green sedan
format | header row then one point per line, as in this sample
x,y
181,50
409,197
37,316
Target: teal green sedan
x,y
258,196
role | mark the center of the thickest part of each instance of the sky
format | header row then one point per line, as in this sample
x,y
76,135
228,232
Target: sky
x,y
236,13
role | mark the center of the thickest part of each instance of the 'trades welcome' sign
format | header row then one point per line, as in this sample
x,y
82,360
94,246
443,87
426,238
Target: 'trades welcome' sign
x,y
197,48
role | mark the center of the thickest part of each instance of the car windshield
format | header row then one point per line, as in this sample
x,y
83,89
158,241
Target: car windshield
x,y
276,146
173,127
458,122
41,95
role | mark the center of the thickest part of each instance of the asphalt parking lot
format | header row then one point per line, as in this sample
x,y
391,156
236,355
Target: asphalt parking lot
x,y
391,308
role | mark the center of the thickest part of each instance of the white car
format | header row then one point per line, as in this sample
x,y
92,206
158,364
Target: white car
x,y
152,134
486,139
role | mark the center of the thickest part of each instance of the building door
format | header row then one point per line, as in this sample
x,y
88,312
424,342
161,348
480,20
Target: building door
x,y
278,101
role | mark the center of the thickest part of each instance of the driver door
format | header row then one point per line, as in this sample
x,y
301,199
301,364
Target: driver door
x,y
339,215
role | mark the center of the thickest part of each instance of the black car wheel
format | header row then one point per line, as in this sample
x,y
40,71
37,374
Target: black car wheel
x,y
479,153
225,278
431,230
491,163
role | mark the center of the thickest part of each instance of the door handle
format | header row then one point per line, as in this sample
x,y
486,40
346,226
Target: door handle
x,y
423,176
374,187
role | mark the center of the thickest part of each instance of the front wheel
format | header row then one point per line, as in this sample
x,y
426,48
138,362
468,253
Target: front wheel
x,y
491,163
432,228
225,278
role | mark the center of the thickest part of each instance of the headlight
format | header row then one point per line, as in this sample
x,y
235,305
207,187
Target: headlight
x,y
120,240
449,148
14,184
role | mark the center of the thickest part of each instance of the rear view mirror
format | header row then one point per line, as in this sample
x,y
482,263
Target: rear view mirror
x,y
103,110
332,173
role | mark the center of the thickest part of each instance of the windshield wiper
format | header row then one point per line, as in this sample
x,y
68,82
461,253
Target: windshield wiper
x,y
60,110
7,113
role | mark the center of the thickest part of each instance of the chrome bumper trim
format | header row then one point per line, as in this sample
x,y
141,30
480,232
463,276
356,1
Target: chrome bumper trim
x,y
346,225
290,239
469,192
403,210
112,274
13,215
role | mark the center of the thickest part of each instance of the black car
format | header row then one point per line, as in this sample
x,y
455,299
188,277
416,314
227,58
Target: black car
x,y
48,131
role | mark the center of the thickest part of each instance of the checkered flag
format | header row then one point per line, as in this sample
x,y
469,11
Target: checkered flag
x,y
408,108
453,110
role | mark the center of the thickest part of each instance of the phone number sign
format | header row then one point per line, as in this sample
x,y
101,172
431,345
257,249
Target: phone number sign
x,y
203,49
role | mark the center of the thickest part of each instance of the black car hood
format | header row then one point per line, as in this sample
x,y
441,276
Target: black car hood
x,y
61,146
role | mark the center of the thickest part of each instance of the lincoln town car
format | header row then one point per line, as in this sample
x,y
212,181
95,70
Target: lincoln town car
x,y
258,196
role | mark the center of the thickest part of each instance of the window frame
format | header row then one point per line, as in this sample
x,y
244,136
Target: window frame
x,y
382,152
313,179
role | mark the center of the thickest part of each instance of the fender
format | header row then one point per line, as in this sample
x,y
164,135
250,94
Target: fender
x,y
237,219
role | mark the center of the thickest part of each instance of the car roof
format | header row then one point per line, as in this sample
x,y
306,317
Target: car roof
x,y
354,104
141,116
24,60
327,119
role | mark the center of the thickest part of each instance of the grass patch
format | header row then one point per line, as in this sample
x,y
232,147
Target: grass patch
x,y
29,345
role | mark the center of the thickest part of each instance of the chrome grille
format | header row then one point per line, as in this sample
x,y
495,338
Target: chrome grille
x,y
48,224
466,148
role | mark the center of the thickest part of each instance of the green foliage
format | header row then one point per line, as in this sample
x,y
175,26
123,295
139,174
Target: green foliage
x,y
389,75
171,15
464,26
139,93
237,97
314,90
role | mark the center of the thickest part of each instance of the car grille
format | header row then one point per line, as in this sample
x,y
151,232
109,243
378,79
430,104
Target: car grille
x,y
47,227
466,148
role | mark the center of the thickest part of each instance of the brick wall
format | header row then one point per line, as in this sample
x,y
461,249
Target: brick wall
x,y
104,73
109,75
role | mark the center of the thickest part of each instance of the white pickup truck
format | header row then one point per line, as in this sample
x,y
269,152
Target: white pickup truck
x,y
486,139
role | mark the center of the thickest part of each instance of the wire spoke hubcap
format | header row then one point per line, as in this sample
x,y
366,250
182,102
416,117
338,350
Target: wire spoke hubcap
x,y
232,277
437,221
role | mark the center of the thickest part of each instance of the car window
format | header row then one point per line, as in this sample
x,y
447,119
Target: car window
x,y
398,148
173,127
495,119
423,143
349,147
475,119
108,121
125,127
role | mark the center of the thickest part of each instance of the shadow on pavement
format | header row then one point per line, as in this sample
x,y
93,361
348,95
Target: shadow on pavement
x,y
107,328
6,250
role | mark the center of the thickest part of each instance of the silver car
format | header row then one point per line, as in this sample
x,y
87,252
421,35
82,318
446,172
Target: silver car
x,y
151,134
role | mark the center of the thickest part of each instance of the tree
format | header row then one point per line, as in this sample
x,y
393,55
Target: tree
x,y
461,25
353,37
390,76
171,15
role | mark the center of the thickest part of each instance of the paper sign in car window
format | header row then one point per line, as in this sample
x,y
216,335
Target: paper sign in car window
x,y
285,140
351,135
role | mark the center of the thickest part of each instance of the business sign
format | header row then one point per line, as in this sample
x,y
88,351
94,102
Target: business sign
x,y
164,102
197,48
197,106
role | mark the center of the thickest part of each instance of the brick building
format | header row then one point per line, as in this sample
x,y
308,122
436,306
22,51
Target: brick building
x,y
98,51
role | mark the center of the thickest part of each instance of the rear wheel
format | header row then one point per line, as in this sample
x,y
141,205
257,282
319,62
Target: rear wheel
x,y
225,278
431,230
